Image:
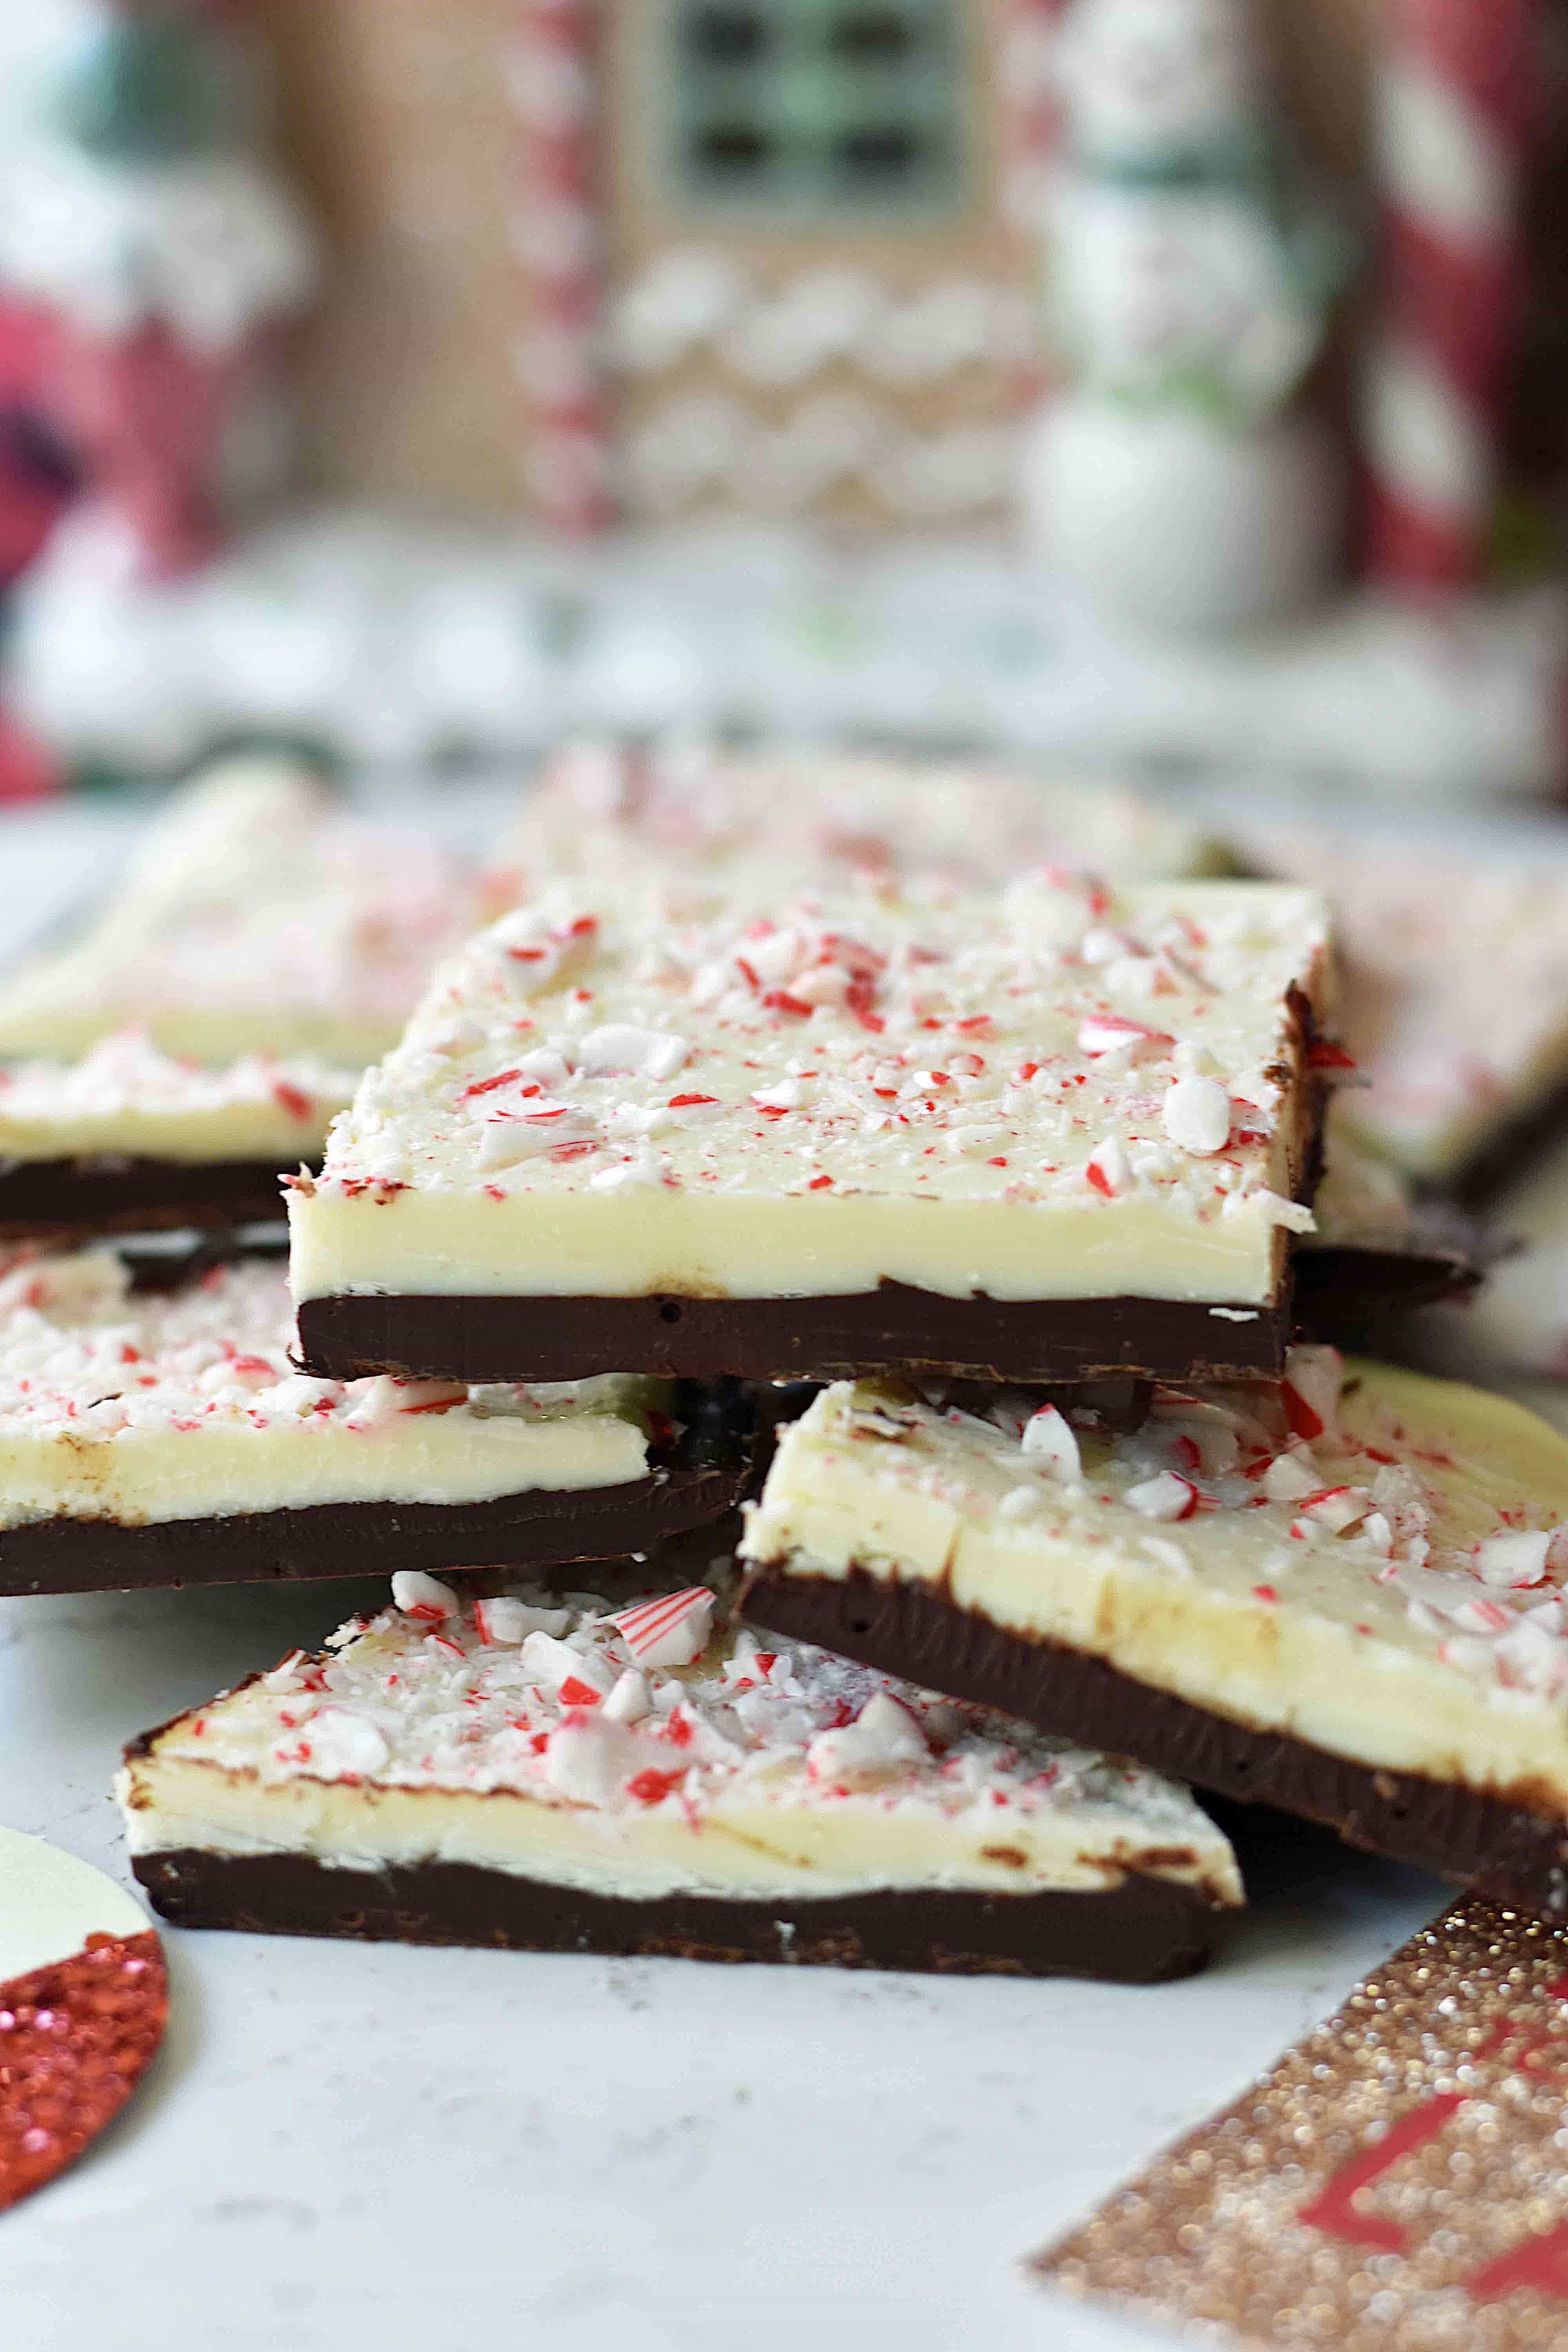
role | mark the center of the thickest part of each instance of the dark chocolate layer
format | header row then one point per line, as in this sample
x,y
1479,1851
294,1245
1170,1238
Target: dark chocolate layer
x,y
538,1528
891,1329
1501,1849
106,1193
1145,1931
1345,1291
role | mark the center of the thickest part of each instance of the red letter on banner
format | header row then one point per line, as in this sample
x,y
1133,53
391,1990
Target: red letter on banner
x,y
1333,2209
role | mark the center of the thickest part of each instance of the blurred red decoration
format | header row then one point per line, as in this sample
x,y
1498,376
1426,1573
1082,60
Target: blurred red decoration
x,y
1453,106
141,285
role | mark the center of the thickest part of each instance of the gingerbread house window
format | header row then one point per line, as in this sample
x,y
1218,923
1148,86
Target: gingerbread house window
x,y
803,111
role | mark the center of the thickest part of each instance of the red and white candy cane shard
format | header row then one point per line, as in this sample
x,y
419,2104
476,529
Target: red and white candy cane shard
x,y
669,1631
1451,114
559,243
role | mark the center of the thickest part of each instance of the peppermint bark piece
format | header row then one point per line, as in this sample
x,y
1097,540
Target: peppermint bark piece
x,y
258,916
623,1772
130,1139
1348,1604
687,1128
165,1437
1455,1000
607,808
1377,1251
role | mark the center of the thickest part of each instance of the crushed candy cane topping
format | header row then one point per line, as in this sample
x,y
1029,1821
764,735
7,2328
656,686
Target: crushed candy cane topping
x,y
84,1355
681,1036
1323,1496
457,1700
126,1072
260,897
603,807
1456,998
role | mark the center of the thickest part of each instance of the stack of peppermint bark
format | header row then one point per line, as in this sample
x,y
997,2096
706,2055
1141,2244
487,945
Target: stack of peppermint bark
x,y
841,1100
197,1032
166,1066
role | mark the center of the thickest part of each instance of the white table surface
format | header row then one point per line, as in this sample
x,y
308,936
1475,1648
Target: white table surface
x,y
345,2146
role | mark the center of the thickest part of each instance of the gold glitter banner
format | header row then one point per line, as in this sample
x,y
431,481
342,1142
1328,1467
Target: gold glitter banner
x,y
1397,2183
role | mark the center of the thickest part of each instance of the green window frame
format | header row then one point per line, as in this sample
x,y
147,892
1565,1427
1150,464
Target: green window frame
x,y
799,112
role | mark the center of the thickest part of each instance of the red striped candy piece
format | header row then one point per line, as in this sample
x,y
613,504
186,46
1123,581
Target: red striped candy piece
x,y
671,1630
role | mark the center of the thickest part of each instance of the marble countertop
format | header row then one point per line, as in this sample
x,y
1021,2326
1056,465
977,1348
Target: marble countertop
x,y
345,2146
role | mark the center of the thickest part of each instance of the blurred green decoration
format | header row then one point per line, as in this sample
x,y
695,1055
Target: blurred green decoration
x,y
830,629
788,111
158,84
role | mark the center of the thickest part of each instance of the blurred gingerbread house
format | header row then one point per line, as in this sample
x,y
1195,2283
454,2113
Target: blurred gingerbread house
x,y
654,263
783,255
681,255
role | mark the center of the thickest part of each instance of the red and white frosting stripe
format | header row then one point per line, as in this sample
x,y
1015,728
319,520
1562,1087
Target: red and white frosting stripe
x,y
559,249
1451,110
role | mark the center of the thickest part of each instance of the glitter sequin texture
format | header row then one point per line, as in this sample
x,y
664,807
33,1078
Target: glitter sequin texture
x,y
75,2038
1397,2183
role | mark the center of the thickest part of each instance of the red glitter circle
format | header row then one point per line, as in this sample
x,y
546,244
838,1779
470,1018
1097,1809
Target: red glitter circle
x,y
75,2040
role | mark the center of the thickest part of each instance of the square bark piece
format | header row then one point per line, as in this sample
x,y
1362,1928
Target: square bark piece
x,y
689,1129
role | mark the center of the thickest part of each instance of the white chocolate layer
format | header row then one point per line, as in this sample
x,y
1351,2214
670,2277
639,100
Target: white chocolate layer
x,y
538,1743
125,1097
823,818
257,916
1392,1592
617,1091
181,1405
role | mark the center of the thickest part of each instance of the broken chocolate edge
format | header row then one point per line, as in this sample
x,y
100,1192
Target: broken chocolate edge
x,y
1479,1840
1146,1930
